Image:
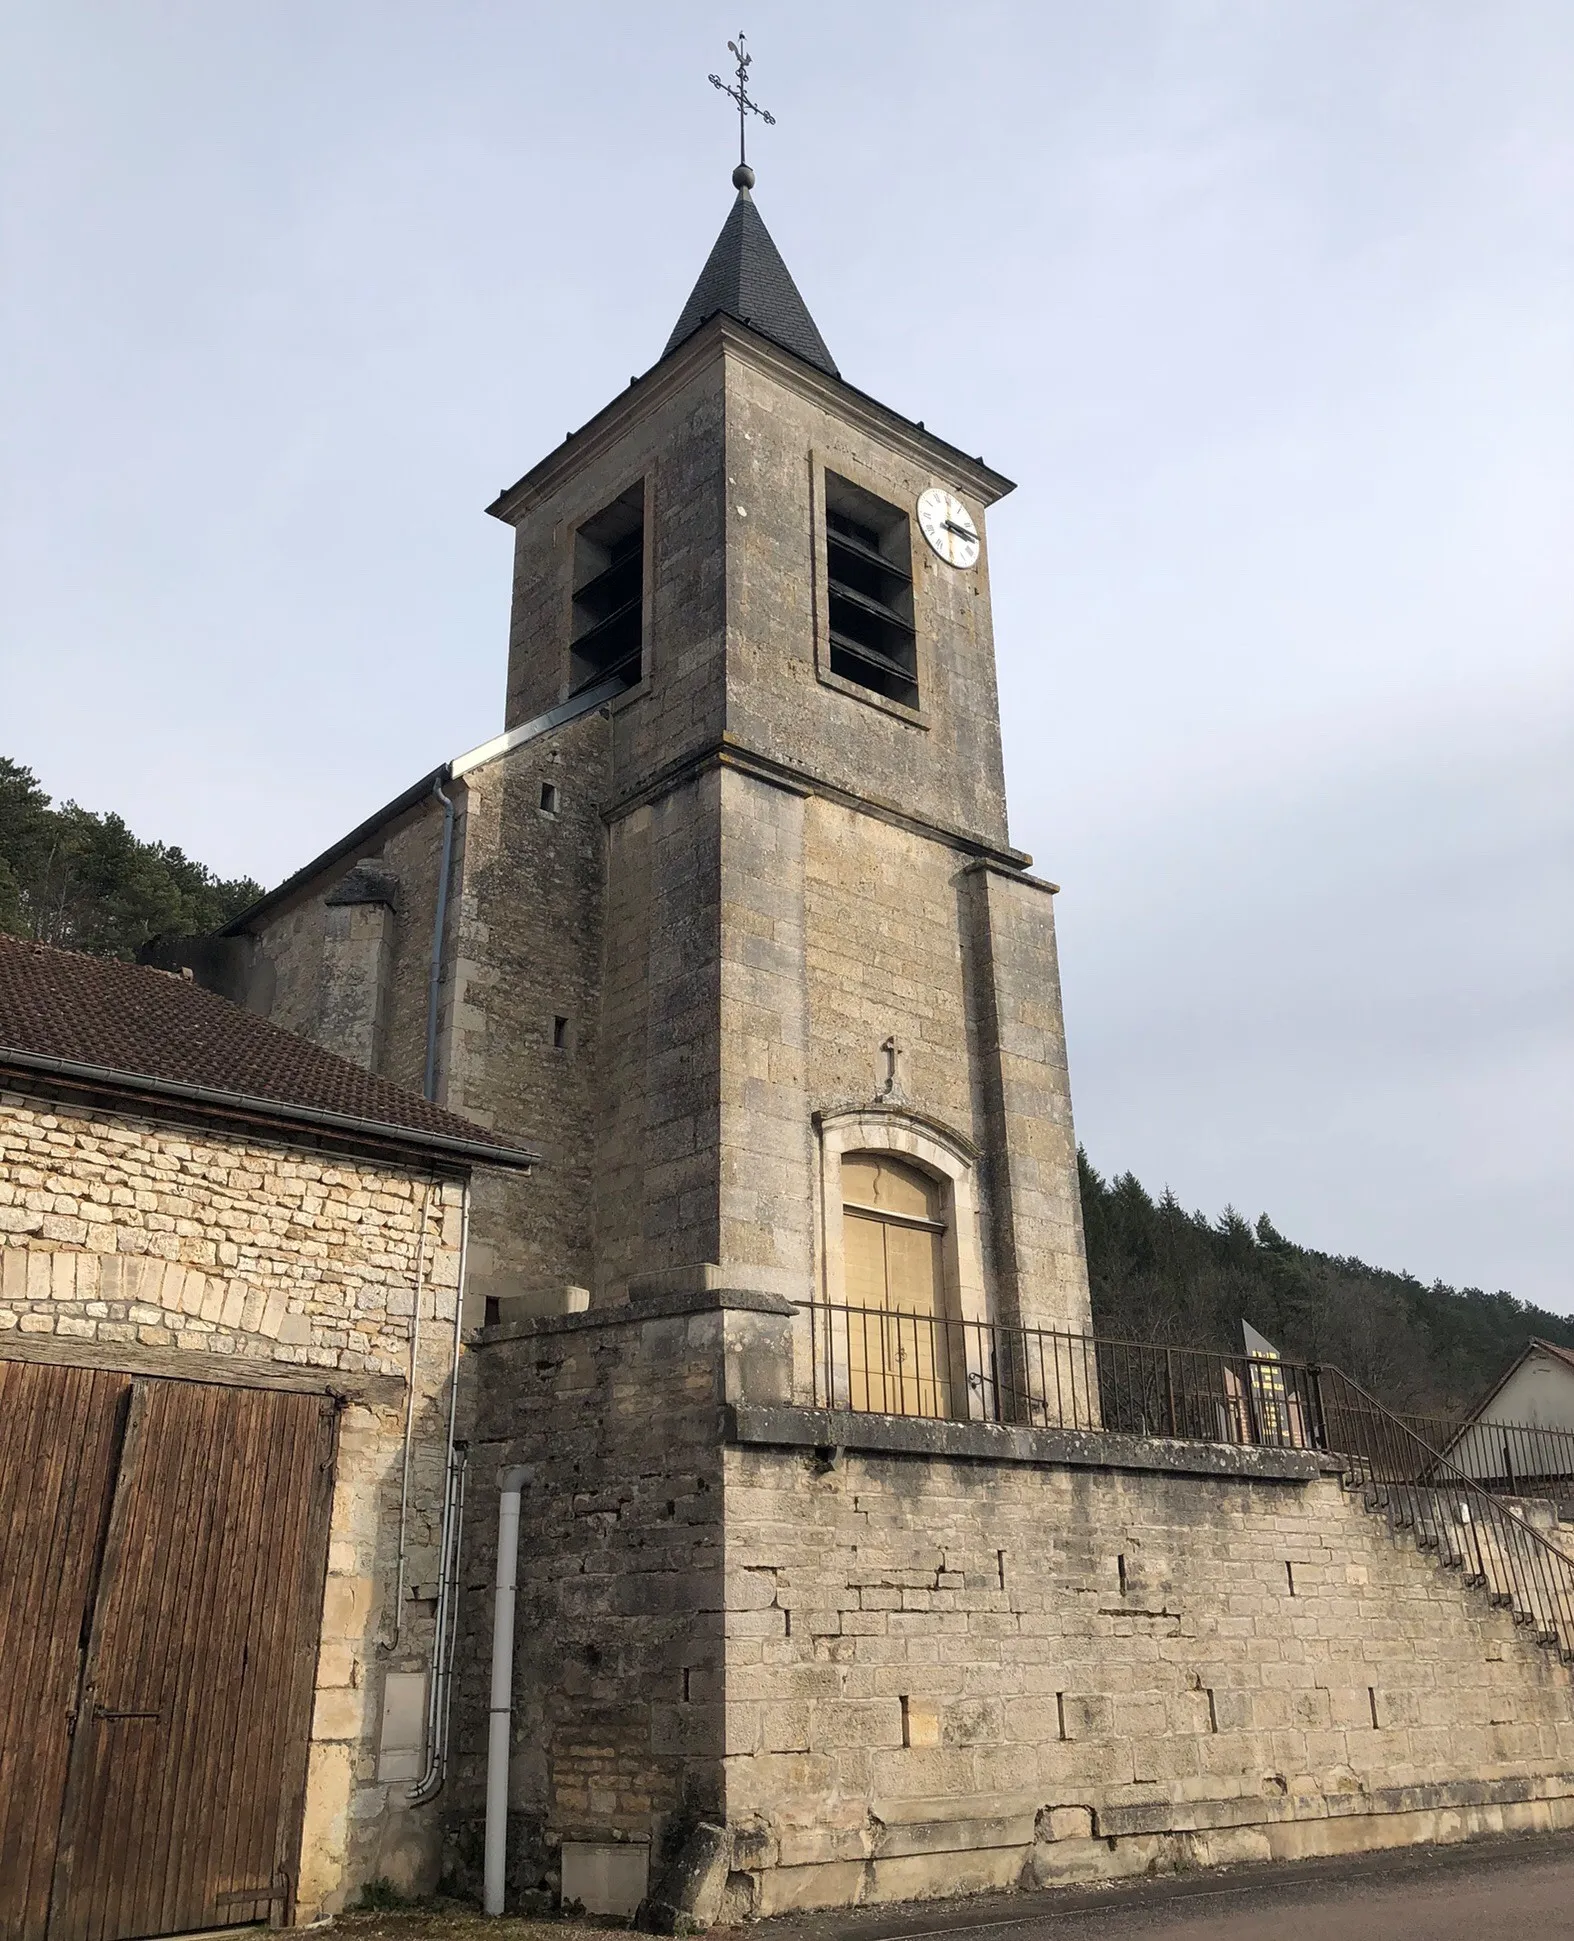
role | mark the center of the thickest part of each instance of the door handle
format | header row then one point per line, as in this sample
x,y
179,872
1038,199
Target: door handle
x,y
103,1712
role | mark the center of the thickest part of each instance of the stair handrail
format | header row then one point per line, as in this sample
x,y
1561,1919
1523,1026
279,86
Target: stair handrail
x,y
1541,1575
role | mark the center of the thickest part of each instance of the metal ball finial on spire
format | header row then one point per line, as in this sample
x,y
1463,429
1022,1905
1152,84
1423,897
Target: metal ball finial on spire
x,y
742,175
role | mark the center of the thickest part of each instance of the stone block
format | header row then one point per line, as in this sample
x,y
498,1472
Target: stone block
x,y
1066,1823
606,1877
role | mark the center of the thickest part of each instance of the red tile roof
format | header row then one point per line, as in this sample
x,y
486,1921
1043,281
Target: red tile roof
x,y
107,1022
1555,1349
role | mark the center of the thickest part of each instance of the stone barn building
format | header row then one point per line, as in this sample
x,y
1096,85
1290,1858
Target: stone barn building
x,y
229,1277
848,1566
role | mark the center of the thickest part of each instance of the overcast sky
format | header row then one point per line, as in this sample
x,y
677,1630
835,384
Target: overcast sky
x,y
1267,305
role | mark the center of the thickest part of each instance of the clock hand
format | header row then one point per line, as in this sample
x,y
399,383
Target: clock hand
x,y
962,532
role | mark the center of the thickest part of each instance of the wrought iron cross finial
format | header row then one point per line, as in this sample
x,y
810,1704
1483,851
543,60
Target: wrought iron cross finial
x,y
746,106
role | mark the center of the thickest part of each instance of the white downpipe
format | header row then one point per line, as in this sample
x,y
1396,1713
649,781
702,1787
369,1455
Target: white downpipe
x,y
500,1718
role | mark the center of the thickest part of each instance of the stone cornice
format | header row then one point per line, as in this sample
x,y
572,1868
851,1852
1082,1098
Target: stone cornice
x,y
785,1427
723,337
856,407
728,753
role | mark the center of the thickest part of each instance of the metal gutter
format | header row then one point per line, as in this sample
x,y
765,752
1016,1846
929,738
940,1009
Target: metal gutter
x,y
541,724
477,1151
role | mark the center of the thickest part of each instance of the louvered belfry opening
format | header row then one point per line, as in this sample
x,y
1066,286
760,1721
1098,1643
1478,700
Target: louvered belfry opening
x,y
608,635
869,574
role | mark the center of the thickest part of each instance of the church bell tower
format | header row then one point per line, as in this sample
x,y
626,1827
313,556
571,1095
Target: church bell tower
x,y
817,1043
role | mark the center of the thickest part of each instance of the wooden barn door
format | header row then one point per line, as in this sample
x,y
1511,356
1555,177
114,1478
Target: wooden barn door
x,y
194,1642
60,1438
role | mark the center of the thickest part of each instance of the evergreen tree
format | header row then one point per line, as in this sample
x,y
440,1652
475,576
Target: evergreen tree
x,y
85,882
1158,1273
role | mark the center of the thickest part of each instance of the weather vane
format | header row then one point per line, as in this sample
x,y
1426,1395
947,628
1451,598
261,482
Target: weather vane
x,y
743,178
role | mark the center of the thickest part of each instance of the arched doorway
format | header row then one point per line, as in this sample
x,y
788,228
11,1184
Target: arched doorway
x,y
893,1241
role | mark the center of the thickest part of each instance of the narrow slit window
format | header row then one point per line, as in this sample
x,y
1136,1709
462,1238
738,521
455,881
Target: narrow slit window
x,y
608,636
549,798
869,578
560,1034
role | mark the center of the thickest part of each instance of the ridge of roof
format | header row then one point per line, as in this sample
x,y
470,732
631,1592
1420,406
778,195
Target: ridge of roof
x,y
744,275
122,1026
1477,1410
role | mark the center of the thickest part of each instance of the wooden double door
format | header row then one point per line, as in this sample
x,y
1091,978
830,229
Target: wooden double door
x,y
162,1551
900,1343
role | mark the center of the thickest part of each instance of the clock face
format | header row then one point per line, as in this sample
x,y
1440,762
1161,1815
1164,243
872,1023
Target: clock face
x,y
948,526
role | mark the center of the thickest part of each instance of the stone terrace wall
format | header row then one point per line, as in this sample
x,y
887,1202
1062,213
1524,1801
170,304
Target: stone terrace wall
x,y
902,1658
957,1674
179,1250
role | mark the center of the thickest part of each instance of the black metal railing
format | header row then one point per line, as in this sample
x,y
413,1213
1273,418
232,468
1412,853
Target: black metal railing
x,y
875,1360
878,1361
1421,1489
1515,1458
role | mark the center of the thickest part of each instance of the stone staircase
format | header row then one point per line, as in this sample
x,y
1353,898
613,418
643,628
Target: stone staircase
x,y
1492,1543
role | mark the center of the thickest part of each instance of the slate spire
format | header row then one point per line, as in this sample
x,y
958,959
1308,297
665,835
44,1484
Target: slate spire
x,y
745,277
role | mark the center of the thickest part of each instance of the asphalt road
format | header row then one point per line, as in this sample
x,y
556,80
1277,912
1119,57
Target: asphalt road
x,y
1499,1890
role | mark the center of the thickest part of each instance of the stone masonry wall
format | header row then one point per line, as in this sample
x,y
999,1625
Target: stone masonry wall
x,y
957,1674
526,950
298,944
959,1657
671,438
1024,1087
781,435
884,957
619,1720
523,946
659,1130
765,1191
909,939
176,1248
